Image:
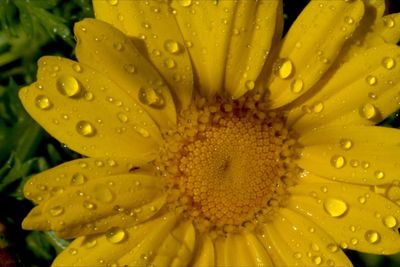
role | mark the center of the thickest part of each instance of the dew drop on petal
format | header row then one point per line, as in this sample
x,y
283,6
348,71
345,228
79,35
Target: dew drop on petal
x,y
150,97
78,179
389,221
317,260
297,85
113,2
371,80
393,192
56,211
388,63
332,247
338,161
372,236
130,68
172,46
76,67
73,251
85,128
122,117
379,174
89,205
69,86
297,255
335,207
318,107
103,194
362,200
118,46
368,111
388,22
116,235
249,84
143,132
88,96
349,20
169,63
346,144
43,102
185,3
283,68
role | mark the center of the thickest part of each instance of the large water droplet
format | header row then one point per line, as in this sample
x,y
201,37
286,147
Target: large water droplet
x,y
297,86
389,221
379,174
283,68
150,97
172,46
85,128
56,211
388,22
116,235
43,102
393,192
388,63
372,237
78,179
335,207
69,86
368,111
103,194
338,161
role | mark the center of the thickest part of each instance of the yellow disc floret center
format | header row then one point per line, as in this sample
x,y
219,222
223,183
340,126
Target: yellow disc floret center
x,y
227,162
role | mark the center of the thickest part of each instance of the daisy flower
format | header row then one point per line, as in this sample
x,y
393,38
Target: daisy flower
x,y
208,140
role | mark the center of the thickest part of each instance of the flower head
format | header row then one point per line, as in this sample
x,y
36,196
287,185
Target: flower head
x,y
209,141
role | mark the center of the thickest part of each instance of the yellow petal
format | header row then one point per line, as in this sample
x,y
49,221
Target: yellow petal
x,y
388,28
110,52
358,154
254,29
76,172
204,253
242,249
88,112
207,27
311,46
362,91
169,245
107,249
352,215
308,243
156,33
98,204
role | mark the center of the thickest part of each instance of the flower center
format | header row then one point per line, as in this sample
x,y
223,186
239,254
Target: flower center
x,y
227,161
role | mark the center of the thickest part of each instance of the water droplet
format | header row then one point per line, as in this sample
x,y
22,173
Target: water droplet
x,y
151,97
116,235
73,251
318,107
85,128
362,200
56,211
78,179
388,22
185,3
169,63
388,63
130,68
332,247
379,174
345,143
69,86
365,164
349,20
90,243
88,96
297,85
103,194
297,255
118,46
283,68
390,221
143,132
122,117
368,111
338,161
113,2
249,84
317,260
393,192
89,205
335,207
372,237
43,102
371,80
76,67
354,241
172,46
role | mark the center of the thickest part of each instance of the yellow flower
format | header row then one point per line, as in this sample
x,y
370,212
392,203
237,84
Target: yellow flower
x,y
211,142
